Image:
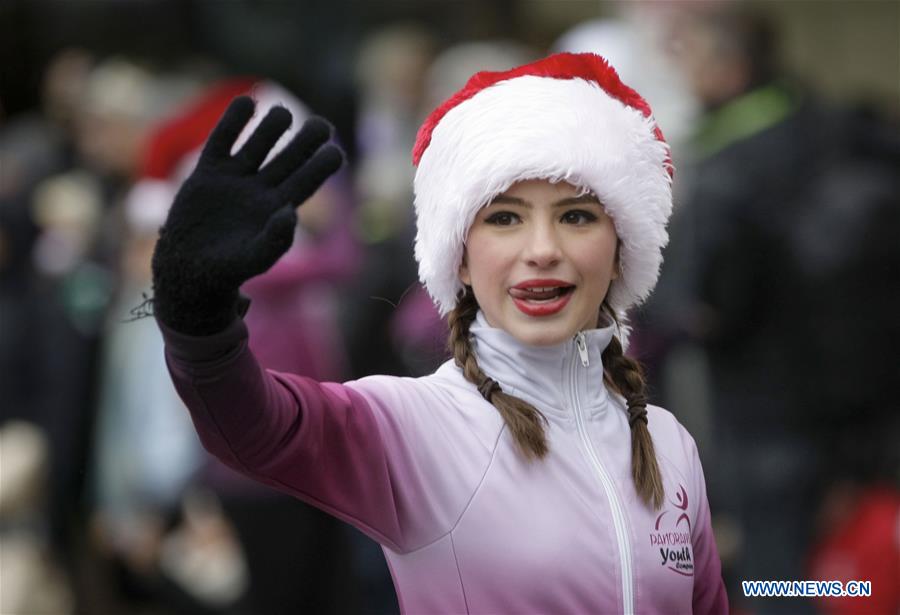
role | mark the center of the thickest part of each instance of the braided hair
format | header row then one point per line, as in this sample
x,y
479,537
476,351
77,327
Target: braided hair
x,y
526,422
626,377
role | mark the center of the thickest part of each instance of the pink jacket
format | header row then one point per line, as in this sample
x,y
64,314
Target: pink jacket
x,y
426,467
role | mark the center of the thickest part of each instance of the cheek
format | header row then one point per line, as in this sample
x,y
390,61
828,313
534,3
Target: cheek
x,y
597,259
483,261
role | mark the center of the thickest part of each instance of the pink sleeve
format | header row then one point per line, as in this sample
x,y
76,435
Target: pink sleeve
x,y
709,588
331,454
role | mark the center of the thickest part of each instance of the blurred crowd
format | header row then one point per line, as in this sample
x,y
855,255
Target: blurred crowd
x,y
772,334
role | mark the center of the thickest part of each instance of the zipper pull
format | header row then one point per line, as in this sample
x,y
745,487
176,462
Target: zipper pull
x,y
582,348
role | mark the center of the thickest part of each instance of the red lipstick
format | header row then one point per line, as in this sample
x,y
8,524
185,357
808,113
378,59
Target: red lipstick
x,y
541,297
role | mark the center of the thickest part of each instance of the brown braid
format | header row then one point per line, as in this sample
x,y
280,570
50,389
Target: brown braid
x,y
524,420
625,375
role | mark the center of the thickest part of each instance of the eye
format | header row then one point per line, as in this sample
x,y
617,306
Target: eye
x,y
502,218
578,216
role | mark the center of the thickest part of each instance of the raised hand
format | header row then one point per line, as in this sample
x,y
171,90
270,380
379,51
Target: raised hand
x,y
231,219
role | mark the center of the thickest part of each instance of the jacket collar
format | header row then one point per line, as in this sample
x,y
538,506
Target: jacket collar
x,y
552,378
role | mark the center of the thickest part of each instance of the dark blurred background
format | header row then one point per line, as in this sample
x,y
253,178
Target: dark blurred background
x,y
772,335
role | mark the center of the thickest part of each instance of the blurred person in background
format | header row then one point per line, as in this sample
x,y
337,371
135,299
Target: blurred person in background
x,y
234,546
144,455
33,146
390,74
76,253
39,143
778,268
55,288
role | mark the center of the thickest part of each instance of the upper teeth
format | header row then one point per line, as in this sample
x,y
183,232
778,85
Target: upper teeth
x,y
542,289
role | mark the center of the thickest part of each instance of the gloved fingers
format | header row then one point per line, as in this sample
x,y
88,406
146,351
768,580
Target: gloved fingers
x,y
222,138
312,135
274,240
270,129
307,179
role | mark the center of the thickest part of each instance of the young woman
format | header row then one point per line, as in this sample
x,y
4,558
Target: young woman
x,y
528,474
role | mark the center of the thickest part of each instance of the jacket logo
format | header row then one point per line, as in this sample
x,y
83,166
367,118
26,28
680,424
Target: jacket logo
x,y
672,535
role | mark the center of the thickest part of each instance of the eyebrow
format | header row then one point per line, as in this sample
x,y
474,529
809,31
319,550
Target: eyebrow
x,y
504,199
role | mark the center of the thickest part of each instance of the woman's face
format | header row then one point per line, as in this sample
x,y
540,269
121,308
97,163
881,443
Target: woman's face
x,y
540,259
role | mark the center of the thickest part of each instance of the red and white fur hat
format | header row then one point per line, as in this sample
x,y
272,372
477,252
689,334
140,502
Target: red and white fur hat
x,y
567,117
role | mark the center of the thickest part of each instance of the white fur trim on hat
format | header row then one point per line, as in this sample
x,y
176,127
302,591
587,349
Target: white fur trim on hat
x,y
536,127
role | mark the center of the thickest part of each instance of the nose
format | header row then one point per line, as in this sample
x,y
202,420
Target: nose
x,y
542,248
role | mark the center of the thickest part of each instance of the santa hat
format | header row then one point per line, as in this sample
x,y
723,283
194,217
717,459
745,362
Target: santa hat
x,y
568,118
173,148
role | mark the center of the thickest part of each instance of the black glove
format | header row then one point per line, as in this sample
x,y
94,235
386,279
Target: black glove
x,y
232,220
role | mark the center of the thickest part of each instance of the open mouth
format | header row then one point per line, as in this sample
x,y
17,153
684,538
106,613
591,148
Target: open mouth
x,y
540,294
541,300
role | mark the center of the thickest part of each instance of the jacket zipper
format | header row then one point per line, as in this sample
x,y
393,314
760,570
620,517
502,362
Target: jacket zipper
x,y
615,505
